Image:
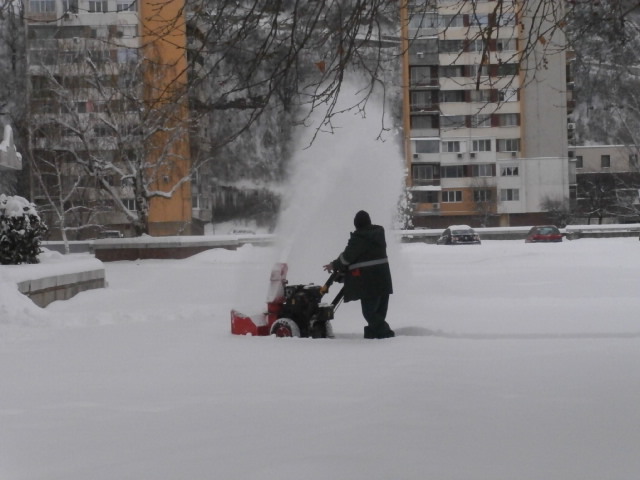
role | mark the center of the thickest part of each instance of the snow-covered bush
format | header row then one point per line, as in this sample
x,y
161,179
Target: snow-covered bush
x,y
21,231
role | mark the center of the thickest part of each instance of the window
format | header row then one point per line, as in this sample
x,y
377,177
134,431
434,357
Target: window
x,y
478,20
503,44
451,46
423,20
508,145
452,196
452,21
96,6
420,75
129,203
481,145
126,6
509,194
421,100
508,119
129,31
481,96
482,69
452,121
485,170
451,147
427,146
452,171
579,161
424,121
42,6
70,6
508,95
605,161
450,71
420,196
452,96
483,195
507,69
509,171
101,131
127,55
477,45
424,172
481,121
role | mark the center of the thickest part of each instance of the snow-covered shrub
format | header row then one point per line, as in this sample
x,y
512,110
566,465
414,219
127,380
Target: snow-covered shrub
x,y
21,231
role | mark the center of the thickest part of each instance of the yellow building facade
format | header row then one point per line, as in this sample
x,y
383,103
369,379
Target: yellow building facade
x,y
164,43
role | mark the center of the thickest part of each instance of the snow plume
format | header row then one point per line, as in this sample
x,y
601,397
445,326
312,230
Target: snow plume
x,y
355,166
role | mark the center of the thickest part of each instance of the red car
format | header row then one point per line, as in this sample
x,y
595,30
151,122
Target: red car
x,y
544,233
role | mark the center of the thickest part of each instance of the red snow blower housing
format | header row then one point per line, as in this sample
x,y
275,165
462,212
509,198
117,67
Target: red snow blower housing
x,y
292,310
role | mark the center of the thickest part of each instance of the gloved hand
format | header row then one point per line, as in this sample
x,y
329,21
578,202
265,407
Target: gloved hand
x,y
328,267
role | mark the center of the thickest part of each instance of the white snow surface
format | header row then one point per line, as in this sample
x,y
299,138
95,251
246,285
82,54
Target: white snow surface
x,y
513,361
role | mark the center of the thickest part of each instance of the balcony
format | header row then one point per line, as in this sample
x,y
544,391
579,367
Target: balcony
x,y
425,84
424,107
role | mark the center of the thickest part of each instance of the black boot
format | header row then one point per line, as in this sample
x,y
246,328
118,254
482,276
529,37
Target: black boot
x,y
388,334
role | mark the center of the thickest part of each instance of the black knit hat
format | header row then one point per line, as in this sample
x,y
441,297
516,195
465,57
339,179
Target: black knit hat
x,y
361,220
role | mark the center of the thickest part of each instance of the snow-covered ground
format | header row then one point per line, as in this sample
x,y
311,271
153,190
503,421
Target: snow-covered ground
x,y
513,361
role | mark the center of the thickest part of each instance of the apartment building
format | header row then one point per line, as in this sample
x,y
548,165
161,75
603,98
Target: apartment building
x,y
485,137
608,183
91,90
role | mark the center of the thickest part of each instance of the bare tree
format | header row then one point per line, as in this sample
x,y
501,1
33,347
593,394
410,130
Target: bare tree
x,y
69,205
596,196
558,210
274,62
94,114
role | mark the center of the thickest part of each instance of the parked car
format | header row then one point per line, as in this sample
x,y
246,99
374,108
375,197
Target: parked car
x,y
544,233
459,235
110,234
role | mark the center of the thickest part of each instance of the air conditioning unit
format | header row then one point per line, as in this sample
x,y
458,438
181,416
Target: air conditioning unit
x,y
459,155
571,126
415,155
473,154
514,154
420,54
435,206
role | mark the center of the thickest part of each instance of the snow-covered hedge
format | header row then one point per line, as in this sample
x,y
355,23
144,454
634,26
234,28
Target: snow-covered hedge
x,y
21,231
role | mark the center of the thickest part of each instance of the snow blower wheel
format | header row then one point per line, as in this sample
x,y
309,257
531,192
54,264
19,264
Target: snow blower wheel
x,y
285,327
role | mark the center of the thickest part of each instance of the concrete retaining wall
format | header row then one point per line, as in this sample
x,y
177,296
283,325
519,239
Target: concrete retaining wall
x,y
44,290
56,277
146,247
140,248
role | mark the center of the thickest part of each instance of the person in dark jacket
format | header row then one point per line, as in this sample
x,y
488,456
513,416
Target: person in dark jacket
x,y
367,275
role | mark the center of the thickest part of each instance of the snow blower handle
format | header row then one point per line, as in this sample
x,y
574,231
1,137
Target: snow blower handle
x,y
335,276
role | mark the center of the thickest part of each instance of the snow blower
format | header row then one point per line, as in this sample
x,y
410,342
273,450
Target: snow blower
x,y
292,310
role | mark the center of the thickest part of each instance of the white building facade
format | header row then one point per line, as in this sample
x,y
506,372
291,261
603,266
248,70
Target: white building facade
x,y
485,131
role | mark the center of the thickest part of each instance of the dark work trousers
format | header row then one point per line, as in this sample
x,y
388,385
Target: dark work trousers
x,y
374,311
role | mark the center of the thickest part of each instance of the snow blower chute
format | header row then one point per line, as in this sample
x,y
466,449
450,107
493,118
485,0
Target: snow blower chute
x,y
292,310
